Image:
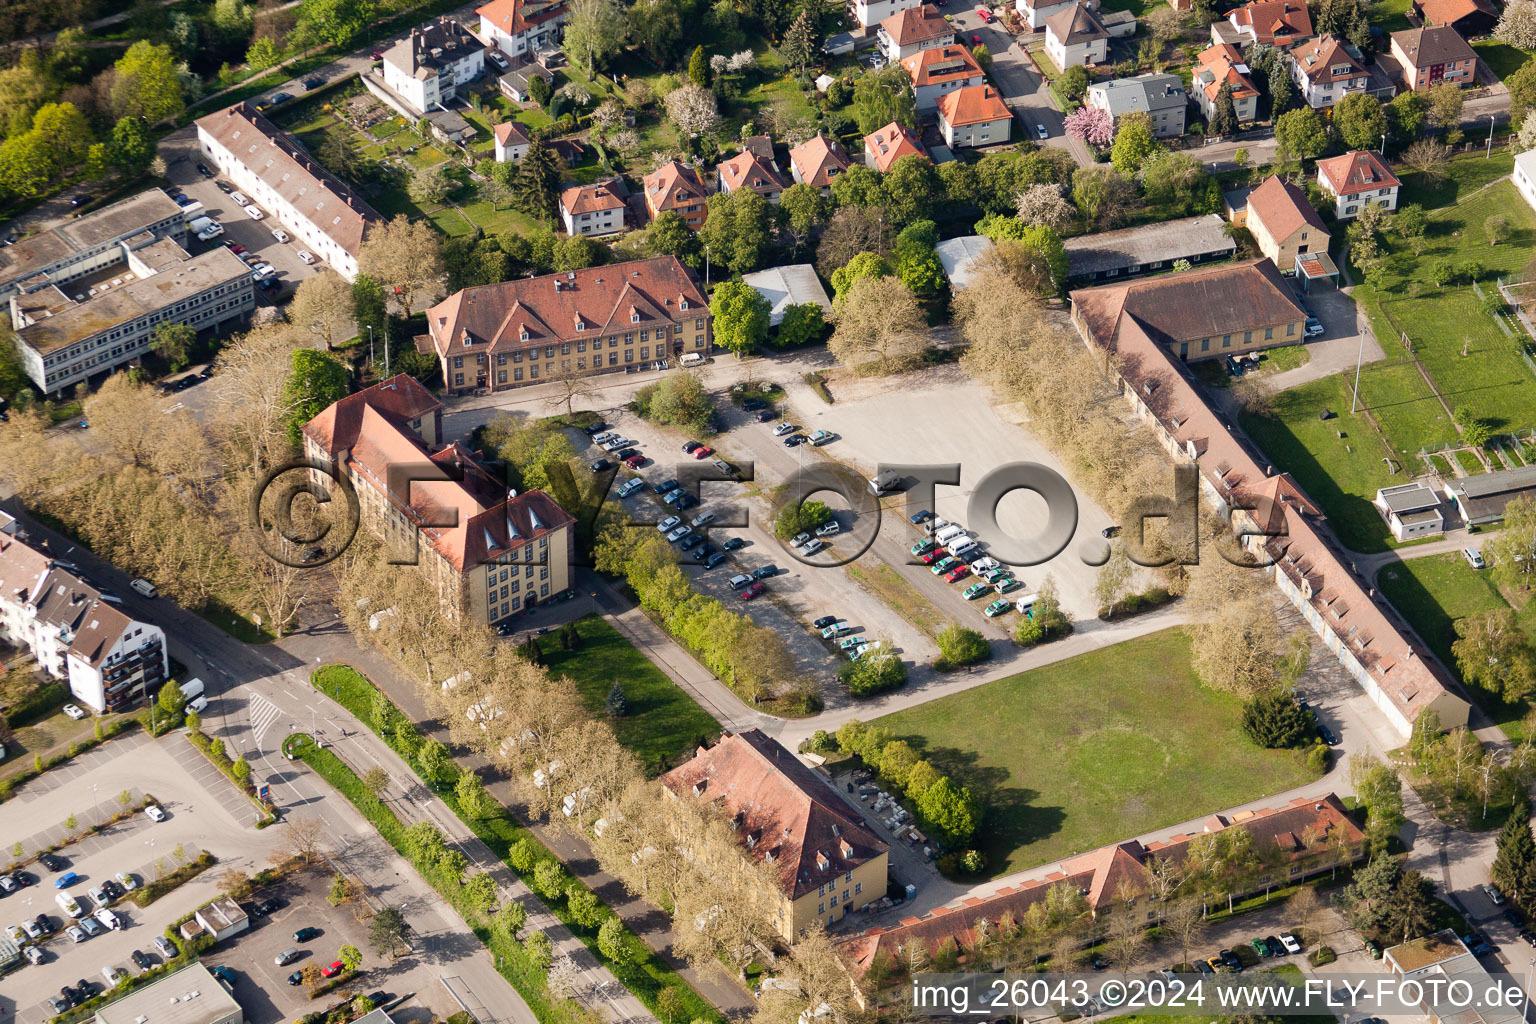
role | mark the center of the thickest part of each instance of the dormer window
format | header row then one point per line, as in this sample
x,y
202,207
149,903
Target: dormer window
x,y
580,325
683,304
634,317
522,334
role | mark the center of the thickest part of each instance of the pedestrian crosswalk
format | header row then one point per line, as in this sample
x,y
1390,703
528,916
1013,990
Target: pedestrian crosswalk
x,y
263,713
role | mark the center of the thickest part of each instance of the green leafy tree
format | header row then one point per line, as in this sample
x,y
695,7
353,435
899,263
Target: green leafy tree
x,y
540,951
858,186
880,97
950,811
799,518
473,798
537,188
737,230
350,956
549,878
1359,120
921,271
613,942
804,323
741,316
1366,901
959,645
317,381
874,673
911,188
586,909
865,264
509,920
240,769
1407,114
146,84
1134,142
670,235
64,130
481,892
698,68
435,762
1074,81
804,209
1301,134
262,54
171,700
173,343
334,22
1492,652
594,33
132,147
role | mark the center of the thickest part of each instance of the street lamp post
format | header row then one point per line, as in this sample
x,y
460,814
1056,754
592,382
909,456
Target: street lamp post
x,y
1489,153
370,346
706,265
1354,403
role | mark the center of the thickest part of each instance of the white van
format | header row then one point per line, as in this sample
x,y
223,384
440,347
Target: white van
x,y
69,904
692,359
192,688
107,918
198,704
1026,601
949,533
144,587
961,545
1474,558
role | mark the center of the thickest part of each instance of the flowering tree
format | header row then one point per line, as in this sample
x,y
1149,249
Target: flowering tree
x,y
1092,125
1043,205
693,109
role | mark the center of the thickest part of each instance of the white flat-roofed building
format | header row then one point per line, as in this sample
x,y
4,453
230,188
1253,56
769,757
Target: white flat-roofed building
x,y
191,995
958,255
78,248
278,174
1411,510
67,334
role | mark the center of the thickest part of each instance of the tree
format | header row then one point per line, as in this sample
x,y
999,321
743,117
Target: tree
x,y
594,33
146,84
1411,906
1176,180
1224,113
961,646
804,207
1113,581
617,704
262,54
1522,91
850,232
530,448
693,109
911,189
536,189
387,931
1044,205
1134,142
1492,653
172,701
132,147
879,327
1514,861
1517,25
1273,719
540,950
1103,195
1406,115
1301,134
865,264
679,399
1074,82
1496,228
741,316
949,811
804,323
883,96
698,68
481,892
670,235
1359,120
1234,635
376,780
1093,125
405,257
859,186
584,906
509,920
1427,157
799,43
1379,788
737,229
921,271
323,305
350,956
474,800
173,343
306,835
317,381
613,943
429,186
64,131
334,22
1445,103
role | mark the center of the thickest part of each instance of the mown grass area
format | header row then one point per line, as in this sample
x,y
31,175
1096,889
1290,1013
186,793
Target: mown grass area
x,y
1502,59
1341,474
664,724
1432,593
1113,743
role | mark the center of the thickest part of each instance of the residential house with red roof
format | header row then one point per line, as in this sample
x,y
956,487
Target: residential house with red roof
x,y
511,142
1224,64
1148,329
750,169
826,859
974,116
1076,36
516,27
884,147
111,661
1434,55
278,174
869,13
1035,13
818,160
1469,17
918,28
1283,222
675,186
488,552
1356,179
594,209
1327,69
1305,837
936,72
606,319
1280,23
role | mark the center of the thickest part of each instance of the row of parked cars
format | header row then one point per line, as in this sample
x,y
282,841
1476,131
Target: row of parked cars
x,y
840,631
950,551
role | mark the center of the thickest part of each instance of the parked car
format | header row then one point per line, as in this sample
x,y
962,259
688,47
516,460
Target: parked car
x,y
922,547
66,880
1314,327
287,956
313,82
253,211
1326,734
848,643
1289,942
307,257
34,955
154,813
90,926
753,591
957,574
985,15
733,544
296,978
128,881
74,711
835,629
280,234
629,487
824,622
75,934
795,440
635,461
821,437
920,517
1493,894
740,580
600,466
703,452
165,947
943,565
1041,133
767,416
202,169
713,559
831,529
784,428
975,590
689,447
668,523
142,962
997,608
263,908
305,934
1260,947
765,572
812,546
679,533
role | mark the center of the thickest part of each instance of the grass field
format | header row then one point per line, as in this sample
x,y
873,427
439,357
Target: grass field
x,y
663,725
1095,749
1341,474
1432,593
1502,59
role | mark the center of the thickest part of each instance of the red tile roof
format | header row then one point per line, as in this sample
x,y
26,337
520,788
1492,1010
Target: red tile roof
x,y
1223,61
517,16
819,160
285,166
942,64
975,104
748,169
1283,209
1449,12
1359,170
400,399
672,185
891,143
580,199
510,133
1100,873
917,25
1318,58
788,815
1275,21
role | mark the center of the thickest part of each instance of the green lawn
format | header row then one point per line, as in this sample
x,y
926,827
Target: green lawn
x,y
1470,464
664,723
1341,474
1389,15
1502,59
1466,174
1286,357
1095,749
1432,593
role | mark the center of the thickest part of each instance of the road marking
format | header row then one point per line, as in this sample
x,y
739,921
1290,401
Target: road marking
x,y
263,713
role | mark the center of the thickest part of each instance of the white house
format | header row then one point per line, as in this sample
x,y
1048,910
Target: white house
x,y
872,12
1075,36
426,69
916,28
1357,179
936,72
1035,14
111,661
1160,96
1525,176
276,172
1411,510
974,116
511,142
516,27
1327,69
591,210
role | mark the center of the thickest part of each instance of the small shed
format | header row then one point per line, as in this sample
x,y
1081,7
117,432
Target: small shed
x,y
824,83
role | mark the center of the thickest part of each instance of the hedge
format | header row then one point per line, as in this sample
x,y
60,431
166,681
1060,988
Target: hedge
x,y
151,891
40,703
111,730
214,750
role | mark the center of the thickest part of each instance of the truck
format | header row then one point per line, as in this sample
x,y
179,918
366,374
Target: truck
x,y
205,228
884,482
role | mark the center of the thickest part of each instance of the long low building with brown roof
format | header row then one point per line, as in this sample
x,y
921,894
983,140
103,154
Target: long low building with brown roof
x,y
488,551
278,174
827,861
1304,837
606,319
1149,329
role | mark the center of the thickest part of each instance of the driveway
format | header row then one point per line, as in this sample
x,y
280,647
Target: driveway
x,y
1346,339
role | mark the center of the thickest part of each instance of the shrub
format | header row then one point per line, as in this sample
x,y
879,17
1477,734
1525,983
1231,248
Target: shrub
x,y
973,862
1318,758
959,646
1321,955
801,518
820,743
874,673
1274,720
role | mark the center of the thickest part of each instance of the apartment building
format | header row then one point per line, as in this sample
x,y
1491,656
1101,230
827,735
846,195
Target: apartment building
x,y
826,859
1219,65
917,28
1284,224
1280,23
1160,96
278,174
487,551
591,210
818,160
974,116
516,27
752,169
884,147
1434,55
675,186
426,70
869,13
90,244
111,661
1076,36
599,320
92,325
938,71
1327,69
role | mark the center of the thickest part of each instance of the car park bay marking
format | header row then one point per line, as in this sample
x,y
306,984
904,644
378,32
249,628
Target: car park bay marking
x,y
263,714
